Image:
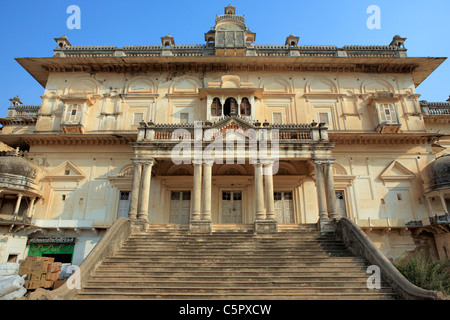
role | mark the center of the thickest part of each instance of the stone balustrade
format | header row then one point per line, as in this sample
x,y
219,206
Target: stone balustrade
x,y
148,131
435,108
24,111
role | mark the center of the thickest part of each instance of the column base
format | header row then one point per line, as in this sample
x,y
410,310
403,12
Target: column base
x,y
200,226
266,226
327,225
139,225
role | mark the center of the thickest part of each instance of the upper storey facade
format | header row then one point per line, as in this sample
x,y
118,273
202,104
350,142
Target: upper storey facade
x,y
105,89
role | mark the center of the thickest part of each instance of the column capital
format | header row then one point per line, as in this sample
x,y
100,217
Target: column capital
x,y
209,161
143,161
324,161
150,162
267,161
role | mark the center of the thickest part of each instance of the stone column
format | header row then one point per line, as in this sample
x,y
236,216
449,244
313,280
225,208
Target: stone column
x,y
207,179
321,193
30,210
444,205
259,192
197,191
430,207
331,192
202,198
135,188
145,190
268,178
16,209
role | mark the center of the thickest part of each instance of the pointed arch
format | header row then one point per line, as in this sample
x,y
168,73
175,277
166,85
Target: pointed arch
x,y
276,85
82,85
320,85
185,84
140,84
376,85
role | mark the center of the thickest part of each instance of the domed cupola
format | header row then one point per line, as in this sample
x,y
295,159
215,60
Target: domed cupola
x,y
436,175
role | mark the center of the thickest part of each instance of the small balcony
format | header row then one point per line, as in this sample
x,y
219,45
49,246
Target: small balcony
x,y
388,127
72,128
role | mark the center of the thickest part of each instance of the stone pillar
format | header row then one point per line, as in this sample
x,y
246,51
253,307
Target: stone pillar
x,y
444,205
145,190
207,179
135,188
430,207
325,224
264,223
331,192
197,191
321,193
30,210
268,178
16,209
201,221
259,192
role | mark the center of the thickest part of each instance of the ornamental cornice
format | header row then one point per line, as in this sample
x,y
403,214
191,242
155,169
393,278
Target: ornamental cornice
x,y
79,139
382,138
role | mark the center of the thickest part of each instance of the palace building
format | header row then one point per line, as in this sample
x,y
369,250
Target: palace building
x,y
264,136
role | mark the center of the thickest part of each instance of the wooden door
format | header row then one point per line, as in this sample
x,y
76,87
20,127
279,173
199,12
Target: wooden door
x,y
180,207
284,207
232,207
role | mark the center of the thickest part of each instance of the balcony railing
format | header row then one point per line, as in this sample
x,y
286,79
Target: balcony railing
x,y
208,131
435,108
24,111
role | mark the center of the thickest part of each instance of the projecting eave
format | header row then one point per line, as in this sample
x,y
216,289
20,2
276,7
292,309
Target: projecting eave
x,y
419,67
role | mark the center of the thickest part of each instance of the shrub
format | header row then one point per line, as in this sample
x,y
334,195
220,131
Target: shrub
x,y
425,273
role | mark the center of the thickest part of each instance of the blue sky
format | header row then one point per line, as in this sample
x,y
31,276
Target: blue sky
x,y
29,27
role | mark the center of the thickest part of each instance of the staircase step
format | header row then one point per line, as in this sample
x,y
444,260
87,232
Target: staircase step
x,y
345,261
229,290
179,283
209,296
232,262
200,276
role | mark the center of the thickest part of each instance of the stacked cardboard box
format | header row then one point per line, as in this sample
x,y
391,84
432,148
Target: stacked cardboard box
x,y
41,272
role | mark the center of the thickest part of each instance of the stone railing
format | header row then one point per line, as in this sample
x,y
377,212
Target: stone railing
x,y
24,111
14,153
230,17
210,131
444,219
360,244
255,50
117,234
435,108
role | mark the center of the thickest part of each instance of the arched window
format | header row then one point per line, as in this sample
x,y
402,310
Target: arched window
x,y
230,107
246,108
216,108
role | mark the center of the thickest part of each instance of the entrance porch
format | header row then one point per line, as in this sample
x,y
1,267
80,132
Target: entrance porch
x,y
293,185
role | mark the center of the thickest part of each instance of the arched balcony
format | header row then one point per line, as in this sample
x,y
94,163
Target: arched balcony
x,y
19,188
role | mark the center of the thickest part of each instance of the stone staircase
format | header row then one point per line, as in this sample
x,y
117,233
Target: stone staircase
x,y
170,263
